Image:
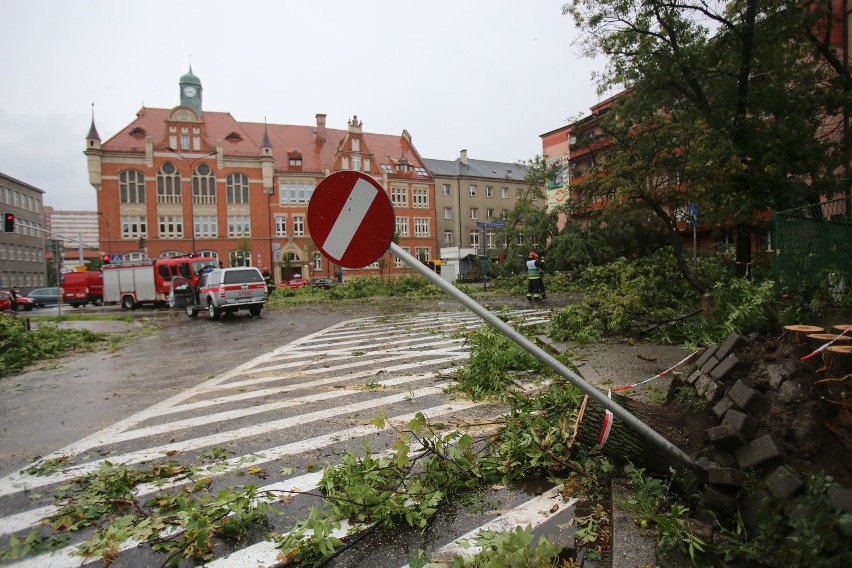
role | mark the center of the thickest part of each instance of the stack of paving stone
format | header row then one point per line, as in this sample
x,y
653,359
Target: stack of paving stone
x,y
769,435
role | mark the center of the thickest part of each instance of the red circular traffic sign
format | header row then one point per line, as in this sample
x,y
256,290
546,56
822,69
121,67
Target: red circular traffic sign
x,y
350,218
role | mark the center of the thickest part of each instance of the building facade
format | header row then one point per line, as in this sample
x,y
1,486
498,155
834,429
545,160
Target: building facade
x,y
78,232
22,253
185,180
471,193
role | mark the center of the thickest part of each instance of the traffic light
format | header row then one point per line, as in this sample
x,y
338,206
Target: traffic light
x,y
105,259
9,222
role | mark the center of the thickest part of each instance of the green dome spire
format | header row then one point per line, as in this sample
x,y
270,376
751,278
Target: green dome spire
x,y
190,91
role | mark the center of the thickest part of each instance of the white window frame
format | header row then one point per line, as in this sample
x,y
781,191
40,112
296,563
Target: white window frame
x,y
170,226
420,198
206,226
239,226
134,226
402,226
280,225
298,225
399,196
421,227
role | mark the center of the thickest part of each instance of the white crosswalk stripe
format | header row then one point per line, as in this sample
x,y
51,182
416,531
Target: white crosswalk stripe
x,y
310,394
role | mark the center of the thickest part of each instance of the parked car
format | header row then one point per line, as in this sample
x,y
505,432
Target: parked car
x,y
295,282
20,302
45,296
322,282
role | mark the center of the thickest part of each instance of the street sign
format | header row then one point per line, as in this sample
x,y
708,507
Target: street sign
x,y
350,218
492,224
115,258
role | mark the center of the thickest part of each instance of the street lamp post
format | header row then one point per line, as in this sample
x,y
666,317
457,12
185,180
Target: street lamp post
x,y
192,163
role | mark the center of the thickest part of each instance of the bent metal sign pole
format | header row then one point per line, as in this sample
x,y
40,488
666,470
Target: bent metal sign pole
x,y
351,220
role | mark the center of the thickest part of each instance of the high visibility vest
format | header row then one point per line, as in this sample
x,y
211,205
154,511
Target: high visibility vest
x,y
533,270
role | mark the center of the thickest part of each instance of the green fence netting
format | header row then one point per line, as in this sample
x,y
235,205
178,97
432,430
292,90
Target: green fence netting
x,y
813,243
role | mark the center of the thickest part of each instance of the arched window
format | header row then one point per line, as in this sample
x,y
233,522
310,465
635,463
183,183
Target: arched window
x,y
171,254
203,185
168,184
240,258
131,187
237,188
209,253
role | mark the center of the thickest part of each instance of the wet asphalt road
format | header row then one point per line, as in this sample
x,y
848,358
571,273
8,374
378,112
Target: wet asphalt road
x,y
285,392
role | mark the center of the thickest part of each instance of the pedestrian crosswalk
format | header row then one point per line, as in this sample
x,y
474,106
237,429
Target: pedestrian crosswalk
x,y
298,404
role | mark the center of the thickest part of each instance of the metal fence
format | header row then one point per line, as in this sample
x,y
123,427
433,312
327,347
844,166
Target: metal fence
x,y
813,243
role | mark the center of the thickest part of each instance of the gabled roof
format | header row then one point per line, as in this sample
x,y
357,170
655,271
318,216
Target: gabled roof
x,y
477,168
283,138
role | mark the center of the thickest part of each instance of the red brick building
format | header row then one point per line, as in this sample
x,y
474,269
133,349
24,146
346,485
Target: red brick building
x,y
245,187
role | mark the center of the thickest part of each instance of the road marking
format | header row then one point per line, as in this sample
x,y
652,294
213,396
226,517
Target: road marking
x,y
534,512
396,351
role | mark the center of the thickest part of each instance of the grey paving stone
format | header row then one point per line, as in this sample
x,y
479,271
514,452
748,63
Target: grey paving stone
x,y
752,505
726,476
740,422
720,499
722,407
708,352
761,451
725,438
840,498
710,364
783,482
725,368
745,397
732,343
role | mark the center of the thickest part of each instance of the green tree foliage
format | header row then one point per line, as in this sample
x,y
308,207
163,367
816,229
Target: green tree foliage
x,y
528,225
729,105
20,347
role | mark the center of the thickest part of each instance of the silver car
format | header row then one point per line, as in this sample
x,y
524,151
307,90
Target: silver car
x,y
221,290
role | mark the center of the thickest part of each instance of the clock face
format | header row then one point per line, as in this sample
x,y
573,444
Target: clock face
x,y
189,91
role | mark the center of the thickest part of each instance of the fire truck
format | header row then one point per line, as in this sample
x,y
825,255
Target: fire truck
x,y
149,282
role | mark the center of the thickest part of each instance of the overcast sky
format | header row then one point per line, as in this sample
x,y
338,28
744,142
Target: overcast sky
x,y
489,76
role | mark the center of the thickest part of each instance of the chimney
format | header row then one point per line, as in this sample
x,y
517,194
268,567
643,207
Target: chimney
x,y
321,127
463,157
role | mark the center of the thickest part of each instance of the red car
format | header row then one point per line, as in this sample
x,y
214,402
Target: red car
x,y
21,302
295,282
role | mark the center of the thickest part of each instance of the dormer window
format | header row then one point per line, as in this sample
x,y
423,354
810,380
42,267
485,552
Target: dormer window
x,y
138,131
402,165
233,137
294,158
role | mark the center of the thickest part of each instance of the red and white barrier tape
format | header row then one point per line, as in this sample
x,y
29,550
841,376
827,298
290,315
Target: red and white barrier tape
x,y
822,348
658,375
606,428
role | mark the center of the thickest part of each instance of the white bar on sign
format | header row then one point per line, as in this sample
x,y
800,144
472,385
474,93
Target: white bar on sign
x,y
353,212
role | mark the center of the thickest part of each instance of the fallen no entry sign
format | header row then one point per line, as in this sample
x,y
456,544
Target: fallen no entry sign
x,y
350,218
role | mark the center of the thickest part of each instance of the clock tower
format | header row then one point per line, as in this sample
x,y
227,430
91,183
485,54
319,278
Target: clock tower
x,y
190,91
